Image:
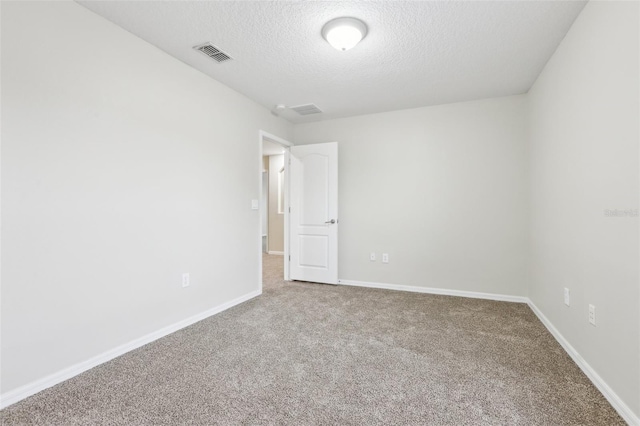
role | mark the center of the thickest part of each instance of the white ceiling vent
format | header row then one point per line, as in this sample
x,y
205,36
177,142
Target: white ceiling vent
x,y
213,52
306,109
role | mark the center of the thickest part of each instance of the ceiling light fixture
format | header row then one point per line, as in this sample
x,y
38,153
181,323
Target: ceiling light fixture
x,y
344,33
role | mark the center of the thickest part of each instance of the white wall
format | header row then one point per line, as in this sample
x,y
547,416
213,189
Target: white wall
x,y
584,160
276,220
443,190
121,168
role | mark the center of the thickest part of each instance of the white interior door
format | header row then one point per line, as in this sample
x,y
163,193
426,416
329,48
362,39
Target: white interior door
x,y
313,218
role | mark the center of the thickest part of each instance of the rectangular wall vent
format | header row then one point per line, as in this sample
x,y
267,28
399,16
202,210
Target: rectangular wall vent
x,y
213,52
306,109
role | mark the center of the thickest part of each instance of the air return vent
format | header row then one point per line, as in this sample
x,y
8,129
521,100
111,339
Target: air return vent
x,y
306,109
213,52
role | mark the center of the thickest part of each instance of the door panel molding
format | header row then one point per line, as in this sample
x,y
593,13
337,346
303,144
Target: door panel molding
x,y
313,212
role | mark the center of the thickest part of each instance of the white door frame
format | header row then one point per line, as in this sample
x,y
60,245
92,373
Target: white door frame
x,y
262,135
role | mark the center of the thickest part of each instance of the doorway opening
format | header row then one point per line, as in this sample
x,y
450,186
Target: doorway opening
x,y
273,193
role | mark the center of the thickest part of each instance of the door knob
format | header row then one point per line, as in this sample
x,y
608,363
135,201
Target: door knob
x,y
332,221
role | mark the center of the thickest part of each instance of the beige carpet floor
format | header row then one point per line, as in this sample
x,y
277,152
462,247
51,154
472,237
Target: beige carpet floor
x,y
306,354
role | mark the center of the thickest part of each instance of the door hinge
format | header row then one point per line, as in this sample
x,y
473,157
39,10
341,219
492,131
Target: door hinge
x,y
289,258
289,209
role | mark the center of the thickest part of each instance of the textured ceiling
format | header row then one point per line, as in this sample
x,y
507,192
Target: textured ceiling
x,y
415,54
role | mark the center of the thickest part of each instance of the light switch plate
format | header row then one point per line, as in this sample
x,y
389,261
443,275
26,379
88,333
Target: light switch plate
x,y
255,204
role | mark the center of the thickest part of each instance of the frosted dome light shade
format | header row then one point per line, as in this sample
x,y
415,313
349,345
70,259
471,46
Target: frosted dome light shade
x,y
344,33
344,37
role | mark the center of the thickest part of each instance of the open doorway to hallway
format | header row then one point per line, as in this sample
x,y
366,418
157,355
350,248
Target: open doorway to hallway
x,y
272,214
272,203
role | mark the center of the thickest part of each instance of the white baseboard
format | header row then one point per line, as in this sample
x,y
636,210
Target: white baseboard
x,y
279,253
441,291
623,409
32,388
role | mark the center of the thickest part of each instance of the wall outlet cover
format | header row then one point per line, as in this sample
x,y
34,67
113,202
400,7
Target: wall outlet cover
x,y
592,315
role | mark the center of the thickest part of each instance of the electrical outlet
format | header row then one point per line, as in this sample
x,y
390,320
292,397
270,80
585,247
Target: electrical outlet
x,y
592,315
567,297
185,279
372,257
385,257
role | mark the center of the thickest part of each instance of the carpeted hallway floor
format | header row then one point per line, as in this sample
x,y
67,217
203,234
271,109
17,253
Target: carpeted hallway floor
x,y
316,354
